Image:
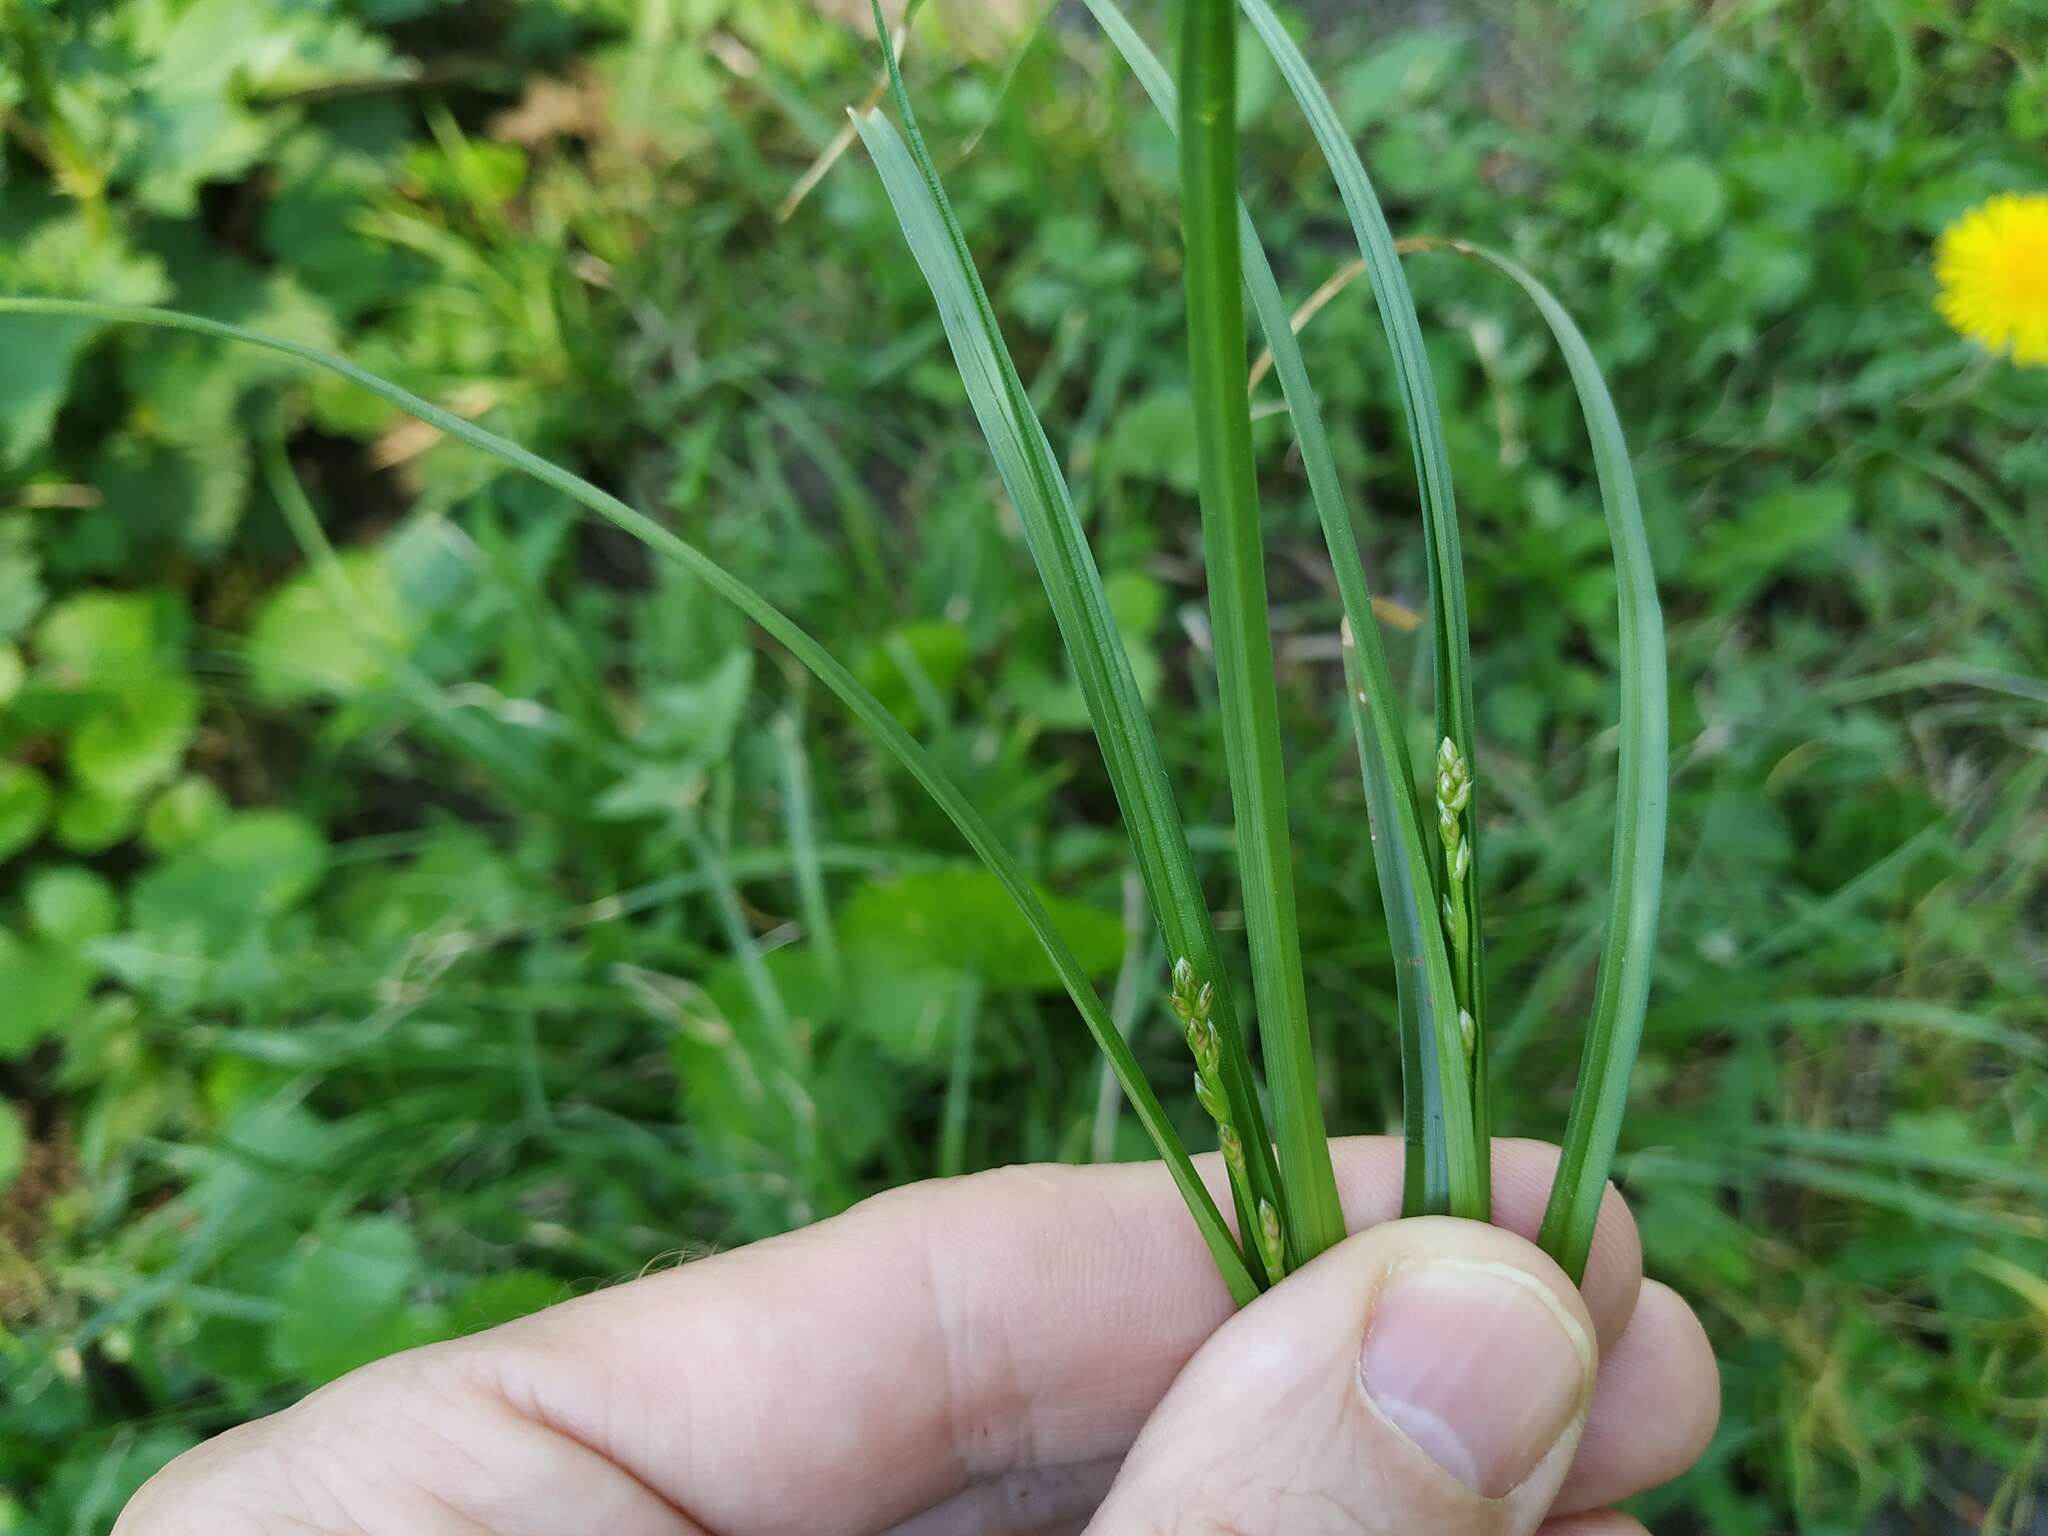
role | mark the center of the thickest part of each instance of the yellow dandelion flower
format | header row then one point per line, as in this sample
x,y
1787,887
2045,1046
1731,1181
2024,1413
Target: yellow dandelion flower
x,y
1992,265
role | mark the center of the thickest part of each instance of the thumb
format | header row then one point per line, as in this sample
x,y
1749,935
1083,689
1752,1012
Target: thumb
x,y
1426,1375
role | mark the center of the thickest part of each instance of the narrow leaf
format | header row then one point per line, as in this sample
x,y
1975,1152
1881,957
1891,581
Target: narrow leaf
x,y
1641,807
1073,585
1468,1161
1401,856
863,705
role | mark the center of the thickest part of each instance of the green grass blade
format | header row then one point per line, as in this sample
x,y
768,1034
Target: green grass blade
x,y
959,1104
1422,971
797,815
1233,551
776,1040
1641,805
1140,968
864,706
1073,586
1402,855
1449,623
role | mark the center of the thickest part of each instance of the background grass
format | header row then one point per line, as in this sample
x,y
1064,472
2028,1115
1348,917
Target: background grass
x,y
521,919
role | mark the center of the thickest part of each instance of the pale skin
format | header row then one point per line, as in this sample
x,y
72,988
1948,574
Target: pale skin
x,y
1032,1349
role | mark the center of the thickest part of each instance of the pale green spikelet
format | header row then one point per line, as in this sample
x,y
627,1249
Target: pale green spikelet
x,y
1453,792
1453,799
1272,1245
1231,1145
1192,999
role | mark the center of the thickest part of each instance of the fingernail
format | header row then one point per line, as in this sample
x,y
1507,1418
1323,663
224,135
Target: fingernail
x,y
1478,1364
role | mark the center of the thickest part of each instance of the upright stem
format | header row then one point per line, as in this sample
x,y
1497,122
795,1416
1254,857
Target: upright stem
x,y
1310,1216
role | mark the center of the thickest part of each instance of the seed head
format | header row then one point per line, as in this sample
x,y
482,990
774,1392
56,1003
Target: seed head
x,y
1191,997
1232,1147
1272,1250
1453,779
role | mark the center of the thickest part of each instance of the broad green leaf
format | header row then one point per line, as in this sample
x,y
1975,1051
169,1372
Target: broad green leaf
x,y
1397,76
101,637
273,856
206,62
209,898
960,919
90,821
181,813
346,1277
1783,530
45,986
35,376
1797,175
304,644
24,807
345,1301
1137,602
185,493
245,1180
1154,439
1685,196
137,738
1768,270
69,254
459,876
423,575
69,905
863,1094
903,1000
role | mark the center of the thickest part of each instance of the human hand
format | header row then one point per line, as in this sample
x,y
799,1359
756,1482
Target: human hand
x,y
1032,1349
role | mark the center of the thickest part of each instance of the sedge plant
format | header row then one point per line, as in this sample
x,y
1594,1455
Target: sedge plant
x,y
1425,828
1423,817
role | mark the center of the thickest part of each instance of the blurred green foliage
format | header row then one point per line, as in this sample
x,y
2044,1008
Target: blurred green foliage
x,y
410,936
